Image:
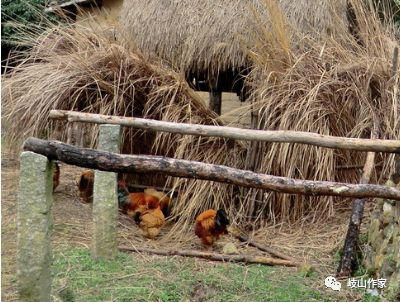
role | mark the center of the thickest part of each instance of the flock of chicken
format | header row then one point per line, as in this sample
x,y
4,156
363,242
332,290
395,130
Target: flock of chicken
x,y
149,209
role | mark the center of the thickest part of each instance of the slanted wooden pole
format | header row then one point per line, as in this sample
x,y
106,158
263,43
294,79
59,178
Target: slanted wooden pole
x,y
105,203
349,253
35,225
263,247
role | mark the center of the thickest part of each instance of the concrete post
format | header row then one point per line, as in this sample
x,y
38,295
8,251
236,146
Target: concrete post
x,y
35,225
105,202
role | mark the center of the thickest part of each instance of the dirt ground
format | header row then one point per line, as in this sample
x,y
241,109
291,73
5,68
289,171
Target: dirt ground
x,y
306,241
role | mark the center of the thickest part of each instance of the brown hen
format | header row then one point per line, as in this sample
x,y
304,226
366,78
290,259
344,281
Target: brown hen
x,y
150,222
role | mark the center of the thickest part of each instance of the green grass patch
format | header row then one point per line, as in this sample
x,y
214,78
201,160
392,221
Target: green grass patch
x,y
76,277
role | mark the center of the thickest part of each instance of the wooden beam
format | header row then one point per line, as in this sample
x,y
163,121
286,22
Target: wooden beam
x,y
107,161
282,136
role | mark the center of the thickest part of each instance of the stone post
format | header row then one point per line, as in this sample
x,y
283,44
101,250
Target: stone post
x,y
105,202
35,224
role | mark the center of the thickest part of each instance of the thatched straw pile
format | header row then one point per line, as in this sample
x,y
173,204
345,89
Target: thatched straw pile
x,y
75,69
326,83
206,36
329,86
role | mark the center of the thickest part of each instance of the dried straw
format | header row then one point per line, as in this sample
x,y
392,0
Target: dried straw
x,y
333,86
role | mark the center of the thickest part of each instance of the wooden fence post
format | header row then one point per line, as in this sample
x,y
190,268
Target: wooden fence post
x,y
35,224
105,202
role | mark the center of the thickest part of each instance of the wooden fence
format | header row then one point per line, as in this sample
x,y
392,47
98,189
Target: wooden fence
x,y
105,205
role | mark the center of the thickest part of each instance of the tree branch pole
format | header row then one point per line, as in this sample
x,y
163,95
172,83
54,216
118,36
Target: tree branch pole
x,y
211,256
281,136
349,253
107,161
263,247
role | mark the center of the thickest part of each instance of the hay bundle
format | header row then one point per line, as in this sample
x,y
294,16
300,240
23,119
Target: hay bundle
x,y
338,87
75,69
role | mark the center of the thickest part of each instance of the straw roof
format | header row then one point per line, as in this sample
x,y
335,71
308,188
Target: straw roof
x,y
201,36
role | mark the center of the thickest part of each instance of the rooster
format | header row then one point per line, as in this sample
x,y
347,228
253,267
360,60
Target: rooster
x,y
163,198
84,185
150,222
56,175
135,202
210,226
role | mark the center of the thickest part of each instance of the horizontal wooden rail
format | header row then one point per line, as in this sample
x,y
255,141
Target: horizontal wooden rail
x,y
282,136
108,161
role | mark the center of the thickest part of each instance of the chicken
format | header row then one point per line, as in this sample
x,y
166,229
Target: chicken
x,y
56,175
150,222
135,202
163,198
210,226
84,185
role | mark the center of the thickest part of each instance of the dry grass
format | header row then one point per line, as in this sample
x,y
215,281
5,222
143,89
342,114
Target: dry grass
x,y
316,83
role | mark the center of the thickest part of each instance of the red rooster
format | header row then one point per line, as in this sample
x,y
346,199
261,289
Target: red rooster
x,y
135,202
84,185
210,226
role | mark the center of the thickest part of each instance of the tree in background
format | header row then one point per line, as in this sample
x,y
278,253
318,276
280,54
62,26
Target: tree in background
x,y
20,13
389,7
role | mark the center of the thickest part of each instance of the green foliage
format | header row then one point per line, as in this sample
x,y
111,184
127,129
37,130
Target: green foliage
x,y
22,13
18,11
390,8
370,298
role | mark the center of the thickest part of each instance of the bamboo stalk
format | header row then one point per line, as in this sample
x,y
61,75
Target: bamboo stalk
x,y
113,162
281,136
211,256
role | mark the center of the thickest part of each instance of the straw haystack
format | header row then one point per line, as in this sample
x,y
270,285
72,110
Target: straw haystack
x,y
345,86
69,68
205,38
